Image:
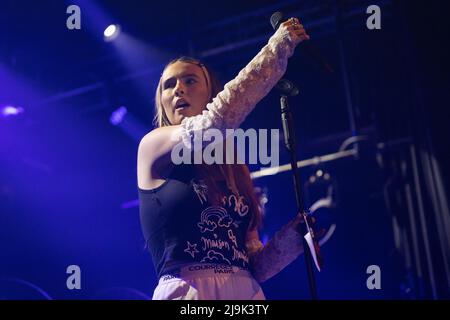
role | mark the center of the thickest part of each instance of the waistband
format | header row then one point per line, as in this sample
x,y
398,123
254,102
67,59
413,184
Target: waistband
x,y
203,270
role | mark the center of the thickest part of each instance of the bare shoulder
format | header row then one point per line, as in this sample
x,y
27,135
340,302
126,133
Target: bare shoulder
x,y
153,158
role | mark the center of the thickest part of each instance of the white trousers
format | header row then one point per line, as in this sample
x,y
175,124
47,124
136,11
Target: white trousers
x,y
208,282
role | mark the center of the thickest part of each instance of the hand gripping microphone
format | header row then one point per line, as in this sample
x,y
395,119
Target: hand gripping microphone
x,y
277,18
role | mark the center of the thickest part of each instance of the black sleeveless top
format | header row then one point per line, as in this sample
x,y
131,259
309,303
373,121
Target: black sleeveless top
x,y
181,226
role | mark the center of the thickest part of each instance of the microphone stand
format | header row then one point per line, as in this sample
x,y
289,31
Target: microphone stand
x,y
288,88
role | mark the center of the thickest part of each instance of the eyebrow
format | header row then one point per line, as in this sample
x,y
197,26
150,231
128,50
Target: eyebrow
x,y
182,76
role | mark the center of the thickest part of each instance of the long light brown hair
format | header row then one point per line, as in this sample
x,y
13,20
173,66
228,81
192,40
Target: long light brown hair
x,y
236,176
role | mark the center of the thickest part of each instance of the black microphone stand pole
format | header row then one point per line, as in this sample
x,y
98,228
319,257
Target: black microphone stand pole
x,y
289,140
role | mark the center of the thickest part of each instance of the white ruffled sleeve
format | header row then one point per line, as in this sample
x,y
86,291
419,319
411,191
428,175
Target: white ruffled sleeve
x,y
239,96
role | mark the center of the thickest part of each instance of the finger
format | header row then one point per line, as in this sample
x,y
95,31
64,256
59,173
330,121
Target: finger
x,y
299,32
296,28
304,37
287,23
299,29
291,22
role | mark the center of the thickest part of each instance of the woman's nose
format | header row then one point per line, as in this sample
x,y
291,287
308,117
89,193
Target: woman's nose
x,y
179,88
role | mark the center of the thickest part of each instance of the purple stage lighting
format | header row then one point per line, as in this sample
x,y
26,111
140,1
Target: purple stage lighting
x,y
7,111
111,32
118,115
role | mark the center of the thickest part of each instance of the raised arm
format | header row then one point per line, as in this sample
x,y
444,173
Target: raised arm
x,y
230,107
239,96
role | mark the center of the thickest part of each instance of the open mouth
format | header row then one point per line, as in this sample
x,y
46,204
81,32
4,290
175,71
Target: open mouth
x,y
182,105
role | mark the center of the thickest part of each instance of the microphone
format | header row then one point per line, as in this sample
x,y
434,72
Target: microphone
x,y
277,18
287,87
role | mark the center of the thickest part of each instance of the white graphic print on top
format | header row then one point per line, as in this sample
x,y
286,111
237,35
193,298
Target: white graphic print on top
x,y
191,249
218,242
212,217
200,189
239,206
215,257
